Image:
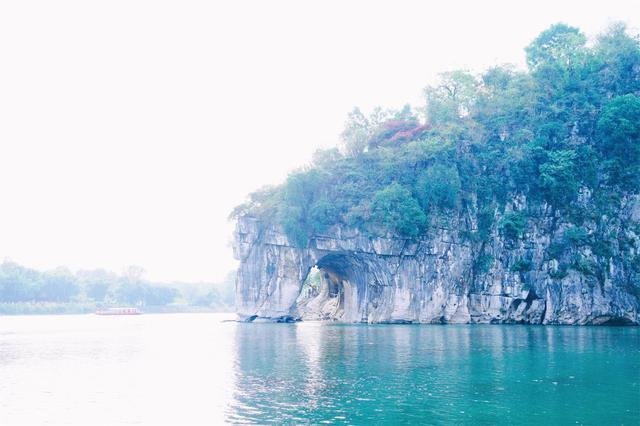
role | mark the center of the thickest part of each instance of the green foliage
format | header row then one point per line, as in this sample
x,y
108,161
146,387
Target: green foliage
x,y
298,194
97,291
560,45
453,98
558,176
395,209
323,213
564,133
514,224
521,265
576,236
292,220
619,133
486,217
601,248
362,132
557,249
262,203
438,187
46,308
618,55
58,286
25,290
356,133
585,266
483,263
216,296
561,272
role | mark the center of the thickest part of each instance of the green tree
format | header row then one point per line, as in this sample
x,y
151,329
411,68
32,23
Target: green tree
x,y
452,98
58,285
560,45
558,177
357,132
17,283
322,214
618,60
395,209
514,224
98,291
97,283
438,187
619,134
133,293
160,296
297,198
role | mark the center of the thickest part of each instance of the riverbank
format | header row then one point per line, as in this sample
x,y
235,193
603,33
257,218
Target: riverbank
x,y
53,308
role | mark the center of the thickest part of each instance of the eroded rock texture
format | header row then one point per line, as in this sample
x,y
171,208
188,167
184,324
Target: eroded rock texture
x,y
442,278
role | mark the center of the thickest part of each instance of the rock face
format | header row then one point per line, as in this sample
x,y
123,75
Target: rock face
x,y
443,277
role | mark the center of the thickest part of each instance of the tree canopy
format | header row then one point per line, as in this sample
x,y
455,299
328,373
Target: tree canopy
x,y
567,124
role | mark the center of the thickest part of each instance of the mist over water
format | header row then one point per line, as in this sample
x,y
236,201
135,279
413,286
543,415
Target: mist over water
x,y
195,369
90,369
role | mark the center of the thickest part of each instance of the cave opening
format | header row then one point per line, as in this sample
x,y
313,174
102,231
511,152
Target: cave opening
x,y
328,287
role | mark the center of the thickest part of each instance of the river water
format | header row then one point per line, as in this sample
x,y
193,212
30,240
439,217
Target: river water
x,y
187,369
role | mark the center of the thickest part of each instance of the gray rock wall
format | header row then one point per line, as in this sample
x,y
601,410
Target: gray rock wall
x,y
439,279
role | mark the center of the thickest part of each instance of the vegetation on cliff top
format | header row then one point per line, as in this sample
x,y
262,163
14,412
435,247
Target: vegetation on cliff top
x,y
568,125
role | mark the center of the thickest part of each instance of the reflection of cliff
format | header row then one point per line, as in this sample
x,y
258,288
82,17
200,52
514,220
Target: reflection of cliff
x,y
432,280
278,377
391,374
317,373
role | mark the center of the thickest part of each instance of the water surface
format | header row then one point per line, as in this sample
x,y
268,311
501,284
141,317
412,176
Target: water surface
x,y
195,369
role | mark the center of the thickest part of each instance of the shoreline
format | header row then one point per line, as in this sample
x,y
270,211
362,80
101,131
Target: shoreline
x,y
50,308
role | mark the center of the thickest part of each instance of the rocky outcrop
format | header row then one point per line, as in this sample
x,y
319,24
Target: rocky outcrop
x,y
445,277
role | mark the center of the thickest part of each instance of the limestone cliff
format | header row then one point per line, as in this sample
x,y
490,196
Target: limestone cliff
x,y
442,277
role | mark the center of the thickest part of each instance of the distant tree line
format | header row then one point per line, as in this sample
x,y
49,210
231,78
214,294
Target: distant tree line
x,y
21,284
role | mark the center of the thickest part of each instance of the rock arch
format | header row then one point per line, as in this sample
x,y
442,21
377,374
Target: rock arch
x,y
433,280
376,282
345,284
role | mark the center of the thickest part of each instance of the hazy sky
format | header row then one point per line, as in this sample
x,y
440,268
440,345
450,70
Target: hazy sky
x,y
130,129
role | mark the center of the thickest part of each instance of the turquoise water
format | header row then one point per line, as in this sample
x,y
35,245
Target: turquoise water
x,y
188,369
399,374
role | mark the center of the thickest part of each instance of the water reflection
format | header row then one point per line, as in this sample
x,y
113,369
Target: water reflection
x,y
194,369
328,373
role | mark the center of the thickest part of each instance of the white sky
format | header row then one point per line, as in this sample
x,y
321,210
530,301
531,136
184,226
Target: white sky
x,y
130,129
